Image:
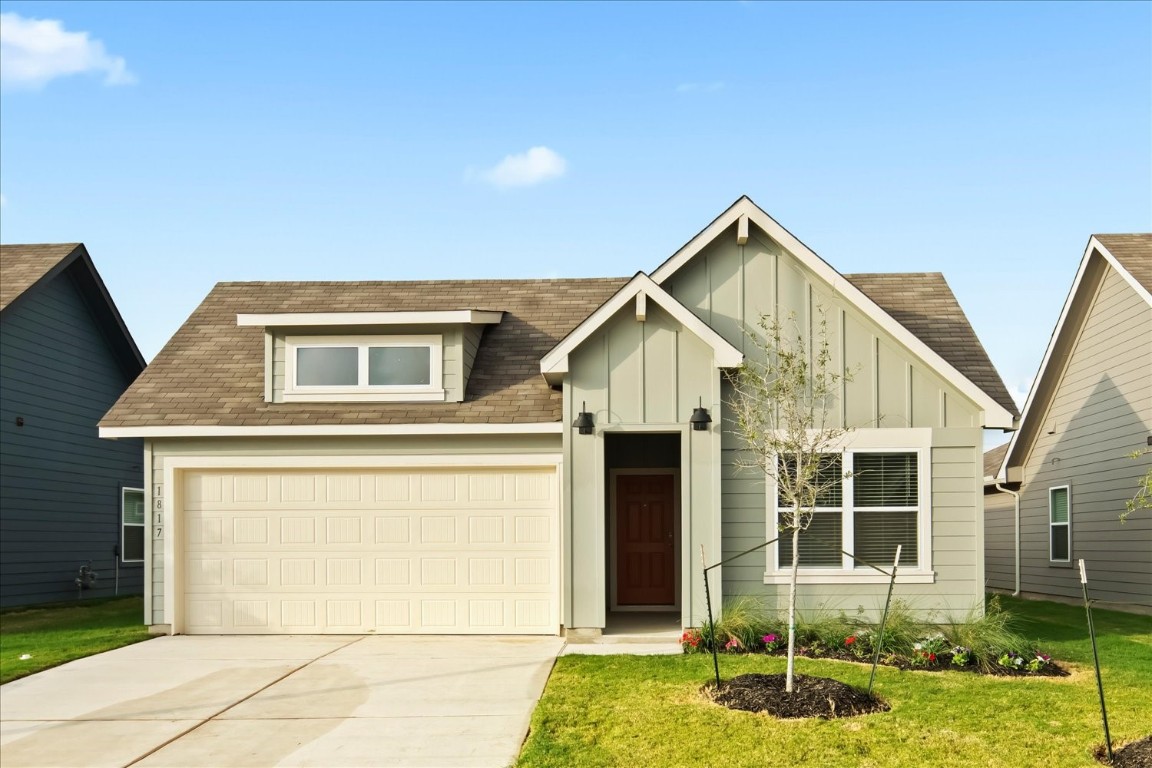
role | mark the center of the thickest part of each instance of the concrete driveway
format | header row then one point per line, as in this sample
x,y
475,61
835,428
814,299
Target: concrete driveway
x,y
281,701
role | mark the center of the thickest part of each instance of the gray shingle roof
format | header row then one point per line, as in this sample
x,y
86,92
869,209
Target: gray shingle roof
x,y
1134,252
924,304
211,372
993,459
22,266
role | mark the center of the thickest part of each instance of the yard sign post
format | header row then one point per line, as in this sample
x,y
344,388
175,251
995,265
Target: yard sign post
x,y
1096,659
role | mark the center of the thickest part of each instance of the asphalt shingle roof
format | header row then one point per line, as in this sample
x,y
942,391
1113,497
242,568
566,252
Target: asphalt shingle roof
x,y
211,373
21,266
993,459
924,304
1134,252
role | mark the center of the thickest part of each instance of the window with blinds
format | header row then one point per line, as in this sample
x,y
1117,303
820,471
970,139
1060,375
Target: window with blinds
x,y
819,543
886,503
881,501
1059,523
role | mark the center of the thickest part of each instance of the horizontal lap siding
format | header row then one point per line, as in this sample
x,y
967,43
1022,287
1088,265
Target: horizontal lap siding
x,y
59,482
1101,412
999,537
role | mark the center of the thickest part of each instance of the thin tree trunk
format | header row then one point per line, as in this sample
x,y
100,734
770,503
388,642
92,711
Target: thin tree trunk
x,y
792,608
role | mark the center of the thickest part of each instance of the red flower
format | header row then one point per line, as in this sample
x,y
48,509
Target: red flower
x,y
931,657
850,640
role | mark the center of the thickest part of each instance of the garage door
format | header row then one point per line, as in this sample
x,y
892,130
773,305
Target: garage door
x,y
381,551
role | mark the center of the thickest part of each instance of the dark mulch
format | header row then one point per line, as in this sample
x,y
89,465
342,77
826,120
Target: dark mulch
x,y
1138,754
811,697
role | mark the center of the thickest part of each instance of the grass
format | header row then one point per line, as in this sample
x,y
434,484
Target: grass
x,y
637,710
51,635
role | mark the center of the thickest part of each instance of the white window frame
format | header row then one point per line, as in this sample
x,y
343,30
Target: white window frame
x,y
433,391
914,440
1067,526
142,525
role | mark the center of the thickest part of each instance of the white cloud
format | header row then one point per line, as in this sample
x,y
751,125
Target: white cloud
x,y
536,165
35,51
700,87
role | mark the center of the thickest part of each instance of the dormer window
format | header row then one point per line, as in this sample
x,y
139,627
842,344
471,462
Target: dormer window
x,y
363,368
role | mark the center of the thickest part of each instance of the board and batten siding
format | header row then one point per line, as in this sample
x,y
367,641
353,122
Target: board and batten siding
x,y
158,451
637,376
1101,412
60,484
457,360
730,286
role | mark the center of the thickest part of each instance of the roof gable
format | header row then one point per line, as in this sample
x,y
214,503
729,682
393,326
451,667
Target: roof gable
x,y
640,288
24,268
976,378
1134,265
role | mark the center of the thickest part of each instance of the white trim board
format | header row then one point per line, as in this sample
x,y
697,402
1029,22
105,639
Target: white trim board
x,y
555,364
995,415
312,319
334,430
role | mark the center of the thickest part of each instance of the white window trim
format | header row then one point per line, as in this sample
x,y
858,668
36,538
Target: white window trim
x,y
1068,525
143,525
433,391
916,441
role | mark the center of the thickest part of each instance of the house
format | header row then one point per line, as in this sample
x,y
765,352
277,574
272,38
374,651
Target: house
x,y
66,496
1066,474
517,456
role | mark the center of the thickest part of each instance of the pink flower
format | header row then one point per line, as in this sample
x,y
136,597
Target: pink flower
x,y
769,638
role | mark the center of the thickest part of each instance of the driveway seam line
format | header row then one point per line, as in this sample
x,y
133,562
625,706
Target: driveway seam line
x,y
235,704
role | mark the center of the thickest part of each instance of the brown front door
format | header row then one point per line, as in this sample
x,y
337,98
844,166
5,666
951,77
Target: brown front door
x,y
645,540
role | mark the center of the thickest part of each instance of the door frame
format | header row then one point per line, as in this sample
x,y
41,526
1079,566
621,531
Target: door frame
x,y
677,535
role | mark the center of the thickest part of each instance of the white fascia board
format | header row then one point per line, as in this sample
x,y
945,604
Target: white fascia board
x,y
446,317
1141,291
334,430
995,415
554,364
1030,404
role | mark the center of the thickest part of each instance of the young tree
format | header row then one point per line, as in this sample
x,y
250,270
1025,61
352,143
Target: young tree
x,y
783,400
1143,497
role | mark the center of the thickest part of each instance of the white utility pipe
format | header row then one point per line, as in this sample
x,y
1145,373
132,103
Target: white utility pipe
x,y
1016,498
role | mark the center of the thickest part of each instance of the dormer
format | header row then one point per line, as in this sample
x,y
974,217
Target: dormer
x,y
369,357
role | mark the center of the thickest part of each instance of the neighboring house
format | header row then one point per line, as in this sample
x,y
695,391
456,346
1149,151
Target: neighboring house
x,y
516,456
66,496
1089,409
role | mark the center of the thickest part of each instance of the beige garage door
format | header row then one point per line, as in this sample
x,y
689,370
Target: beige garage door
x,y
381,551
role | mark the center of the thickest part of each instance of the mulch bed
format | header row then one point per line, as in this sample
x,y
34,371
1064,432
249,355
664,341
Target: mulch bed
x,y
1138,754
811,697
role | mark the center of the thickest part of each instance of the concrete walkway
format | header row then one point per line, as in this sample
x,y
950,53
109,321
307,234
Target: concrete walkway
x,y
431,702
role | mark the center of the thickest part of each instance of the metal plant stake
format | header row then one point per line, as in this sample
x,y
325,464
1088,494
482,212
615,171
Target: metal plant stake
x,y
1096,659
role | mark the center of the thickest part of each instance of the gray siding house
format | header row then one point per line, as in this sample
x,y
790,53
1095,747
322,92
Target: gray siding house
x,y
66,496
520,456
1067,472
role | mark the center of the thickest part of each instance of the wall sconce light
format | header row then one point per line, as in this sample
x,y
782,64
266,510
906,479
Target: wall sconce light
x,y
700,418
583,423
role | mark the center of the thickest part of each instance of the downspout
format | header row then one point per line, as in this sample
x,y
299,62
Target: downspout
x,y
1016,499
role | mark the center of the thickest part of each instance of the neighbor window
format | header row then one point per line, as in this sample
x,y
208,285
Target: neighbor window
x,y
1059,520
132,525
870,503
365,368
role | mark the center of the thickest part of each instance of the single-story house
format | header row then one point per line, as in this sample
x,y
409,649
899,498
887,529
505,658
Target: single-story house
x,y
1056,491
535,456
66,496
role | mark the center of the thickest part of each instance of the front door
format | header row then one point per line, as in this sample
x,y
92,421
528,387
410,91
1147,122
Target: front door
x,y
645,540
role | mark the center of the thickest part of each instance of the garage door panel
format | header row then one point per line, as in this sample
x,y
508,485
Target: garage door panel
x,y
392,551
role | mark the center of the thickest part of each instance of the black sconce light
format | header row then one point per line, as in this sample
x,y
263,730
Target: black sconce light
x,y
700,418
583,423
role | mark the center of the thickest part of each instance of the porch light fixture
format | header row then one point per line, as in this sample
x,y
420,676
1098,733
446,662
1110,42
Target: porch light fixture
x,y
700,418
583,422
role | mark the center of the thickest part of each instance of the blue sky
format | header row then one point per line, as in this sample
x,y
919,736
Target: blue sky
x,y
197,142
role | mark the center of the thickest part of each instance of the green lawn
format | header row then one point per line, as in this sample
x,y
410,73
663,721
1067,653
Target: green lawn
x,y
631,710
53,634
